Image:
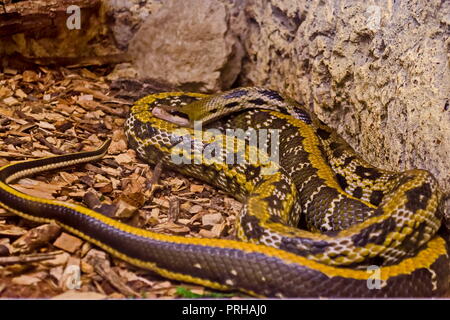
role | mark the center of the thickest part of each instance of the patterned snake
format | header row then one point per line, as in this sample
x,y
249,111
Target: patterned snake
x,y
365,232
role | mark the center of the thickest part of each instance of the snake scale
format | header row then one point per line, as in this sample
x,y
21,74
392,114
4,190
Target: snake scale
x,y
365,232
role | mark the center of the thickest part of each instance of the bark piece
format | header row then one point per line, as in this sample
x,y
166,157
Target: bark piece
x,y
35,238
68,243
211,219
11,230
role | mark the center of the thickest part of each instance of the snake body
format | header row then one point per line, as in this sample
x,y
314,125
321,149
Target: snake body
x,y
361,221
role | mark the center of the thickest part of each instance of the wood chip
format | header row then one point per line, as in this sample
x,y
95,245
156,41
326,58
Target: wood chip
x,y
26,280
46,125
105,188
11,230
172,228
20,94
56,272
35,238
27,258
86,267
206,234
195,209
119,146
163,203
211,219
219,229
5,92
37,188
94,256
124,209
196,217
86,97
124,158
63,125
184,221
95,169
10,101
132,197
176,184
232,203
69,178
196,188
102,267
30,76
174,208
91,200
112,171
58,260
186,206
68,242
85,248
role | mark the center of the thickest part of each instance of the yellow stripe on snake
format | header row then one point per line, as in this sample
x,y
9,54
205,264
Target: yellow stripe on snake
x,y
365,232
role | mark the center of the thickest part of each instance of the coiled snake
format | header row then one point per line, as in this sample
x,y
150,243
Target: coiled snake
x,y
371,233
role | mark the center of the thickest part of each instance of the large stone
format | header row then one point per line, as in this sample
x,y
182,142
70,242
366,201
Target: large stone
x,y
187,44
126,17
378,73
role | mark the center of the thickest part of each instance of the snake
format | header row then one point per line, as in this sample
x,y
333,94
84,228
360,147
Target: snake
x,y
317,219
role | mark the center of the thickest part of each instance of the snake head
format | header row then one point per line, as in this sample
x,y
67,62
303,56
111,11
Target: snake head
x,y
174,117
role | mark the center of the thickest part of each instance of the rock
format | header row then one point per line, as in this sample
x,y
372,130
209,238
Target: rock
x,y
128,15
377,73
190,49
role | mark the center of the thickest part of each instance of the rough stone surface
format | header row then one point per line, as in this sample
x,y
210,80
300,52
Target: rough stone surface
x,y
187,44
126,16
378,72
